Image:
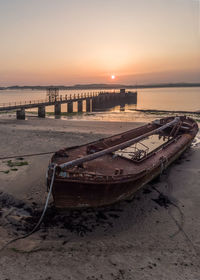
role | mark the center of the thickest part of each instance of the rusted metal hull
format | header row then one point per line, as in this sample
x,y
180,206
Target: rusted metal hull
x,y
77,192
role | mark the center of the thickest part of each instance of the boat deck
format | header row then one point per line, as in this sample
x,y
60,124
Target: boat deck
x,y
116,166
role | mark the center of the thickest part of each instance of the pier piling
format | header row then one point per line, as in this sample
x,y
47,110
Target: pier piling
x,y
70,107
41,112
80,106
57,109
88,105
20,114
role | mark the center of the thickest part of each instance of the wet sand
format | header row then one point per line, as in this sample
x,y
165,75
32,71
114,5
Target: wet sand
x,y
153,236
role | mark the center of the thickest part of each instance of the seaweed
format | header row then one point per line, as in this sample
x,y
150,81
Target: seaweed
x,y
11,163
5,171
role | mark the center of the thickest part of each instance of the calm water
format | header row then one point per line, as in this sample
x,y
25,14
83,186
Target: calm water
x,y
186,99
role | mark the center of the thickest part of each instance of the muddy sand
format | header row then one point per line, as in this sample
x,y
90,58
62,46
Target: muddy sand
x,y
153,236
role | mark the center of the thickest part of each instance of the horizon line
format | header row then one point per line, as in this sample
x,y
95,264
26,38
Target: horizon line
x,y
106,85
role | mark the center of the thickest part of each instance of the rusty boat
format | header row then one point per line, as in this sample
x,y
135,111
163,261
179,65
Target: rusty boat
x,y
114,168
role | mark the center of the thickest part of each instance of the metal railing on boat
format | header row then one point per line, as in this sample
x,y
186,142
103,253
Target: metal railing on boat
x,y
126,144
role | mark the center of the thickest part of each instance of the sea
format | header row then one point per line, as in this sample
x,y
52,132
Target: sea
x,y
170,99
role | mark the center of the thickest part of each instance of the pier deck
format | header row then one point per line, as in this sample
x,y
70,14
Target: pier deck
x,y
93,102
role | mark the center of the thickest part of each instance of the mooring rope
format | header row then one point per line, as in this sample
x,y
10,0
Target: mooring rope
x,y
28,155
179,226
36,227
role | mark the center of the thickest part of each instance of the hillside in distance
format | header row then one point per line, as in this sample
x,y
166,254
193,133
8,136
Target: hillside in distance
x,y
101,86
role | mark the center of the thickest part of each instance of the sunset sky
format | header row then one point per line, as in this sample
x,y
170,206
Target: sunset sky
x,y
87,41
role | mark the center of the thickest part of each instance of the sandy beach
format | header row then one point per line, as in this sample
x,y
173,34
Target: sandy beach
x,y
153,236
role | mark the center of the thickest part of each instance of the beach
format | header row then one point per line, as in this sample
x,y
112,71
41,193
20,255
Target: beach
x,y
153,236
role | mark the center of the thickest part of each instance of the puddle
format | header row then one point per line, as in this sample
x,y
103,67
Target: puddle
x,y
196,141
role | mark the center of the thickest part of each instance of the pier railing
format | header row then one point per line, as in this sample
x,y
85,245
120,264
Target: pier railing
x,y
67,97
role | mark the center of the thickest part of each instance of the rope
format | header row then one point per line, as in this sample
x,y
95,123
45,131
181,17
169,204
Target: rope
x,y
36,227
179,226
27,155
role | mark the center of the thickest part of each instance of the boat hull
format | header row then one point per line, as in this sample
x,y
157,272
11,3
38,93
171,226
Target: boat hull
x,y
82,195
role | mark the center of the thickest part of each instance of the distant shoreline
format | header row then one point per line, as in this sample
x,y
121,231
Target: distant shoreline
x,y
102,86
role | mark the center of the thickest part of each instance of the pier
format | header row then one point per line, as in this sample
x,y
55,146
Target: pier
x,y
94,102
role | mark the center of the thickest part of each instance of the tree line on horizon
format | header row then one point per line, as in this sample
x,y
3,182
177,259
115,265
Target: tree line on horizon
x,y
101,86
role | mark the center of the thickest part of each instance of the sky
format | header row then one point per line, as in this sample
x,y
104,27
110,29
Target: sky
x,y
65,42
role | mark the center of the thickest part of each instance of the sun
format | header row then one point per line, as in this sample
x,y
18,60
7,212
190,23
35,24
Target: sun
x,y
112,77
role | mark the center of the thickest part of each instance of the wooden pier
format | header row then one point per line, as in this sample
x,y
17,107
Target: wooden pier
x,y
94,102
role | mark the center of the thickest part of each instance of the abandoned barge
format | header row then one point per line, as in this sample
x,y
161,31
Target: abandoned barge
x,y
114,168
